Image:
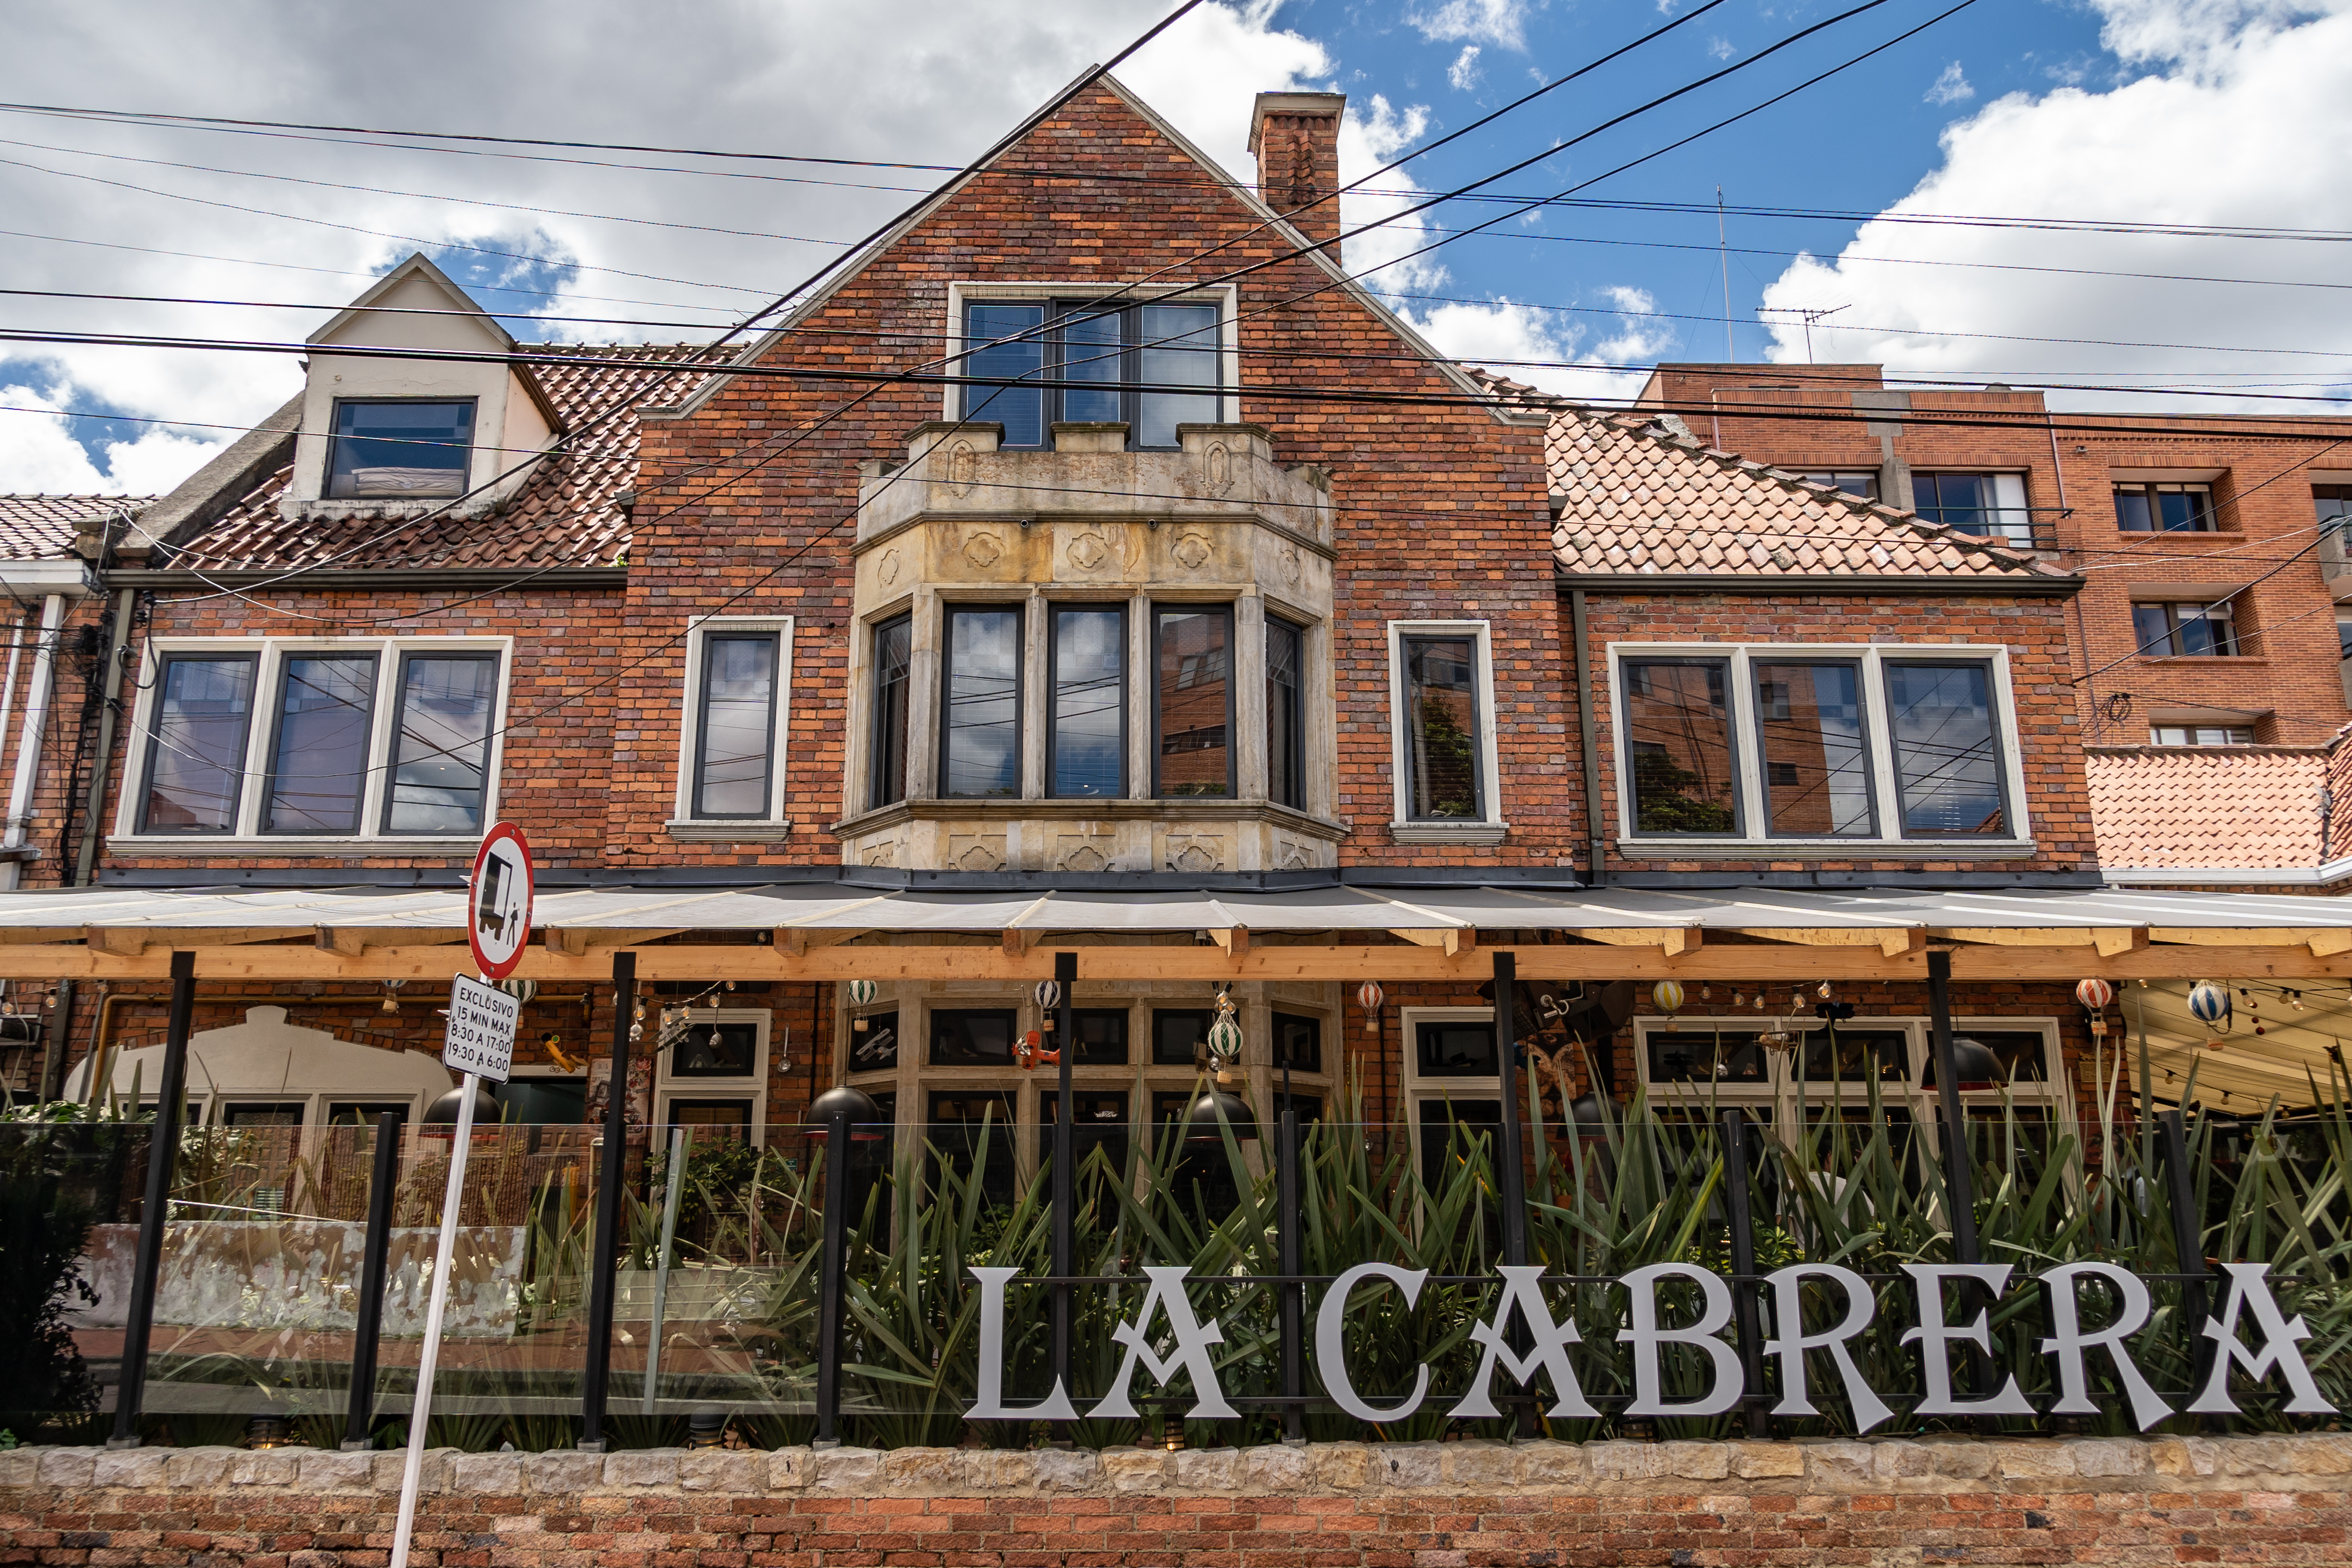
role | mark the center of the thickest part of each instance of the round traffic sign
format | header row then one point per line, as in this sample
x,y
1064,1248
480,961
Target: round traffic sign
x,y
497,906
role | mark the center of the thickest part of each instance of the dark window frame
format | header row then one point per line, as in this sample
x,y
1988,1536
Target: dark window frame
x,y
1204,1015
251,659
1276,1021
1078,1017
948,614
699,755
1054,691
1054,361
1293,766
1739,832
886,762
496,659
375,659
2207,519
1756,666
335,439
674,1073
2003,726
2229,644
1421,1063
1012,1016
1232,696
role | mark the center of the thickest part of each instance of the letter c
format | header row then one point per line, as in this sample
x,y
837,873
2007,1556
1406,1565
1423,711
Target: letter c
x,y
1332,1347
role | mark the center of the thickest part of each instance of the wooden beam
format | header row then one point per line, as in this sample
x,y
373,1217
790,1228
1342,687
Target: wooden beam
x,y
2242,936
129,942
29,934
981,960
1452,942
2329,943
565,940
350,940
1911,942
1672,941
1233,939
2021,936
2113,940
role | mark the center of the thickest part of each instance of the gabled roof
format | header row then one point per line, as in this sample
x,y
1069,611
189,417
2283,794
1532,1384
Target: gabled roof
x,y
570,512
1636,498
419,265
42,527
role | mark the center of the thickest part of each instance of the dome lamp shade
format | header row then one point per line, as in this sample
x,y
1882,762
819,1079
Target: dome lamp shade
x,y
858,1106
1205,1117
443,1112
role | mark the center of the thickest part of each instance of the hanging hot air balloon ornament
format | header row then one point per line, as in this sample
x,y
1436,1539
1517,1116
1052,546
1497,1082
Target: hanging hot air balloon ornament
x,y
2210,1004
859,991
1368,997
1049,1000
2095,994
1668,995
1225,1038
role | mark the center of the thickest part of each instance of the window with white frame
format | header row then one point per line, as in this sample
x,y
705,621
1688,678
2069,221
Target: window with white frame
x,y
1442,703
1449,1079
714,1073
731,752
349,739
1827,744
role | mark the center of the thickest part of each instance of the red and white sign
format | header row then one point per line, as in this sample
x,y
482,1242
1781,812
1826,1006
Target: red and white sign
x,y
498,909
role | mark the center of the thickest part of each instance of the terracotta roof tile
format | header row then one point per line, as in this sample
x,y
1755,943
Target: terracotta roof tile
x,y
2208,807
42,527
567,512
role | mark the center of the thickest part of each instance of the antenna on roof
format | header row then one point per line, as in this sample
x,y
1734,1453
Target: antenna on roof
x,y
1723,252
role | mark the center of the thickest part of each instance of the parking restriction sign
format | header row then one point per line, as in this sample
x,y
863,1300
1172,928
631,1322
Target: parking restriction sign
x,y
481,1030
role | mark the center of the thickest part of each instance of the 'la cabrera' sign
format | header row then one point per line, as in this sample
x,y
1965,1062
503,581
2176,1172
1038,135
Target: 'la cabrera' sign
x,y
2247,1307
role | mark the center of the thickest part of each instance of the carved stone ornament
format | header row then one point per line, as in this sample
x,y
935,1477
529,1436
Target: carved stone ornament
x,y
977,854
1082,855
1191,550
888,569
963,468
1196,855
1221,469
983,550
1290,565
885,854
1089,551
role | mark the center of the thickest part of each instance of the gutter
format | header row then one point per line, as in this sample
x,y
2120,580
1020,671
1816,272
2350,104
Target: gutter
x,y
332,578
2319,875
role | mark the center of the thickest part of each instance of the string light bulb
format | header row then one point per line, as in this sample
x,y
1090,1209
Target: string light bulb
x,y
1824,993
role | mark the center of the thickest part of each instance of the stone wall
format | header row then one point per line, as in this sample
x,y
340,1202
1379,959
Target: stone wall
x,y
1946,1499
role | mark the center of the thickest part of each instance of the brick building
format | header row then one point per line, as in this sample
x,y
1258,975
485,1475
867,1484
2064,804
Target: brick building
x,y
2210,558
1091,564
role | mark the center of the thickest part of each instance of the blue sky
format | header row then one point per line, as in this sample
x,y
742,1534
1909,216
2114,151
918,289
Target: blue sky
x,y
2185,111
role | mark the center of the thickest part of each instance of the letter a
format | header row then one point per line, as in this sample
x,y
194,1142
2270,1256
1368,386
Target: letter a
x,y
1194,1339
1550,1351
2250,1291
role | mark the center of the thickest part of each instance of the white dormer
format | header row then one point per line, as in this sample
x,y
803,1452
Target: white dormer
x,y
401,435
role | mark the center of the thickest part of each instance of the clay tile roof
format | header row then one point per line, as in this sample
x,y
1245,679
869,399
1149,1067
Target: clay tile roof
x,y
42,527
2208,807
569,511
1637,496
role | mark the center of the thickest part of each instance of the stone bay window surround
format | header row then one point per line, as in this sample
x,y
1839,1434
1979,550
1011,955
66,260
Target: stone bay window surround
x,y
1089,658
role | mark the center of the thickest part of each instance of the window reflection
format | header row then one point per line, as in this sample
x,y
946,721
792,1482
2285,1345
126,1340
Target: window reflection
x,y
1816,767
441,753
1090,701
318,768
1678,726
983,712
1947,759
1441,734
1194,688
195,749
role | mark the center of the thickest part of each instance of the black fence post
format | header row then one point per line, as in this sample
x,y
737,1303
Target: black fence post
x,y
1959,1179
163,1152
829,1282
1510,1174
1286,1244
1064,1192
604,1251
360,1422
2188,1241
1743,1270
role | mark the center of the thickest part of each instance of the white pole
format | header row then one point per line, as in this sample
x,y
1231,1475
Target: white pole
x,y
661,1264
413,1474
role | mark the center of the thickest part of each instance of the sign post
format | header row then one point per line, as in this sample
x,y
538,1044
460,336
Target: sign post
x,y
480,1044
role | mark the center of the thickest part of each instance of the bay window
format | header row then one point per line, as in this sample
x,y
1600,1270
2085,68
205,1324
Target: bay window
x,y
980,713
1822,744
1193,700
1086,729
894,652
356,738
1286,759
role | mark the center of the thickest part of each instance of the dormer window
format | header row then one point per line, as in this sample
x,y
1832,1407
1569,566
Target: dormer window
x,y
400,450
1131,352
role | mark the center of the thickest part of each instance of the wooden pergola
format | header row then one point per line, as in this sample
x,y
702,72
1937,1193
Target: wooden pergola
x,y
837,932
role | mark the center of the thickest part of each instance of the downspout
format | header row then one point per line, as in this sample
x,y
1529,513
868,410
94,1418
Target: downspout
x,y
118,653
1596,850
28,739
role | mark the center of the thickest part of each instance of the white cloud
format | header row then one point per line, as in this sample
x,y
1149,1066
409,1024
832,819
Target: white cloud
x,y
1718,48
1504,335
1464,73
1502,22
2242,118
38,454
1952,87
937,85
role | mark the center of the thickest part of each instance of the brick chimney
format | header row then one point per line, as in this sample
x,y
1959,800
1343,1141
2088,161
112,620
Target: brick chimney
x,y
1295,136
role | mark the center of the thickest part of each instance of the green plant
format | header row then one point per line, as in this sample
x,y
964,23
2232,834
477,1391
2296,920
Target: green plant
x,y
42,1237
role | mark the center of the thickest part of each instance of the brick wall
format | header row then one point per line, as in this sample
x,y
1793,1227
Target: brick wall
x,y
1457,1505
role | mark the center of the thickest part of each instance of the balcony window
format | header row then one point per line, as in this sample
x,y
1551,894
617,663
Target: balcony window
x,y
1151,367
1087,729
1989,506
1678,727
2183,631
981,716
400,450
2164,508
1192,704
1285,752
1443,730
894,646
195,744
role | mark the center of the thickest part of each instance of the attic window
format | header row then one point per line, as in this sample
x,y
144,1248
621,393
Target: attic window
x,y
400,450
